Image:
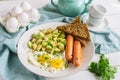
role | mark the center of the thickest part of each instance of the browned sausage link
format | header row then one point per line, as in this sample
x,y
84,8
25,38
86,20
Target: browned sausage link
x,y
69,47
77,53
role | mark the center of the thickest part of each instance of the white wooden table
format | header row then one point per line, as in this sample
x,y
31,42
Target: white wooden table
x,y
113,16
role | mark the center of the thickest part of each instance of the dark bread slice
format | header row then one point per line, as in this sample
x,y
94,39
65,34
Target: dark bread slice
x,y
82,41
77,20
78,29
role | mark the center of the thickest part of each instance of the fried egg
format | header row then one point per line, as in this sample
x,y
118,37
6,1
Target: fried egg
x,y
47,62
57,63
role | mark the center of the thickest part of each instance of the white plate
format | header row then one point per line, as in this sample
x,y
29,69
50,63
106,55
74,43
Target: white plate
x,y
103,26
88,53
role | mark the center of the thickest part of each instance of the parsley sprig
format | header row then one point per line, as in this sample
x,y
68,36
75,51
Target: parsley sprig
x,y
103,68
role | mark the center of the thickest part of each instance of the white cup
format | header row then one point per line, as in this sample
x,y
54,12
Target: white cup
x,y
95,21
97,11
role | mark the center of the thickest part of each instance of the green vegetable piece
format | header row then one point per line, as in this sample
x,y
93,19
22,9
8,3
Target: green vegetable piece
x,y
52,51
34,46
43,31
34,35
62,35
63,41
29,44
55,44
51,43
46,38
38,41
103,68
50,36
55,31
33,40
61,46
57,49
48,47
41,34
43,49
44,43
38,47
55,38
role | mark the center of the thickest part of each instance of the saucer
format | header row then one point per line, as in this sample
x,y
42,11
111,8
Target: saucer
x,y
100,27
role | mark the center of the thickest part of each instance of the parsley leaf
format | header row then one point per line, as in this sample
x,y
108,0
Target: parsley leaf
x,y
103,68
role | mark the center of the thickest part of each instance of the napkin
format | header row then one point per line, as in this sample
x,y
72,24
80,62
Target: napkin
x,y
10,66
106,41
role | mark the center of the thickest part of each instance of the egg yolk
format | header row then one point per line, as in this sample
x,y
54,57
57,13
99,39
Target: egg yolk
x,y
57,63
44,58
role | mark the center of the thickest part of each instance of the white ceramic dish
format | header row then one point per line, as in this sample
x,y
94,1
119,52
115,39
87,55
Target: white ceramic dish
x,y
88,53
101,27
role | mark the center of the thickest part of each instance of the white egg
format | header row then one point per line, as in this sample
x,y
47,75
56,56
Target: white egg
x,y
12,25
33,13
23,19
16,11
25,6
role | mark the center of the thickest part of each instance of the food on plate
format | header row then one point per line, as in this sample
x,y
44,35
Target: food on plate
x,y
69,47
12,25
25,6
77,53
16,11
53,49
23,19
82,41
77,20
51,41
78,30
77,36
47,50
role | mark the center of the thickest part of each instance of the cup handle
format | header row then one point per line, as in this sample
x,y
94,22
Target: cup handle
x,y
89,2
87,5
52,2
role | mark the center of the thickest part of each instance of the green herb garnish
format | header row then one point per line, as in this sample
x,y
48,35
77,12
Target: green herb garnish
x,y
103,68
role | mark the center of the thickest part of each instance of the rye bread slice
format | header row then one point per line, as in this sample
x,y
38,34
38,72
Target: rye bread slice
x,y
82,41
77,20
78,29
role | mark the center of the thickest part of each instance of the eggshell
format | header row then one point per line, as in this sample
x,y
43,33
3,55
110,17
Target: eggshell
x,y
12,25
23,19
16,11
33,13
25,6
